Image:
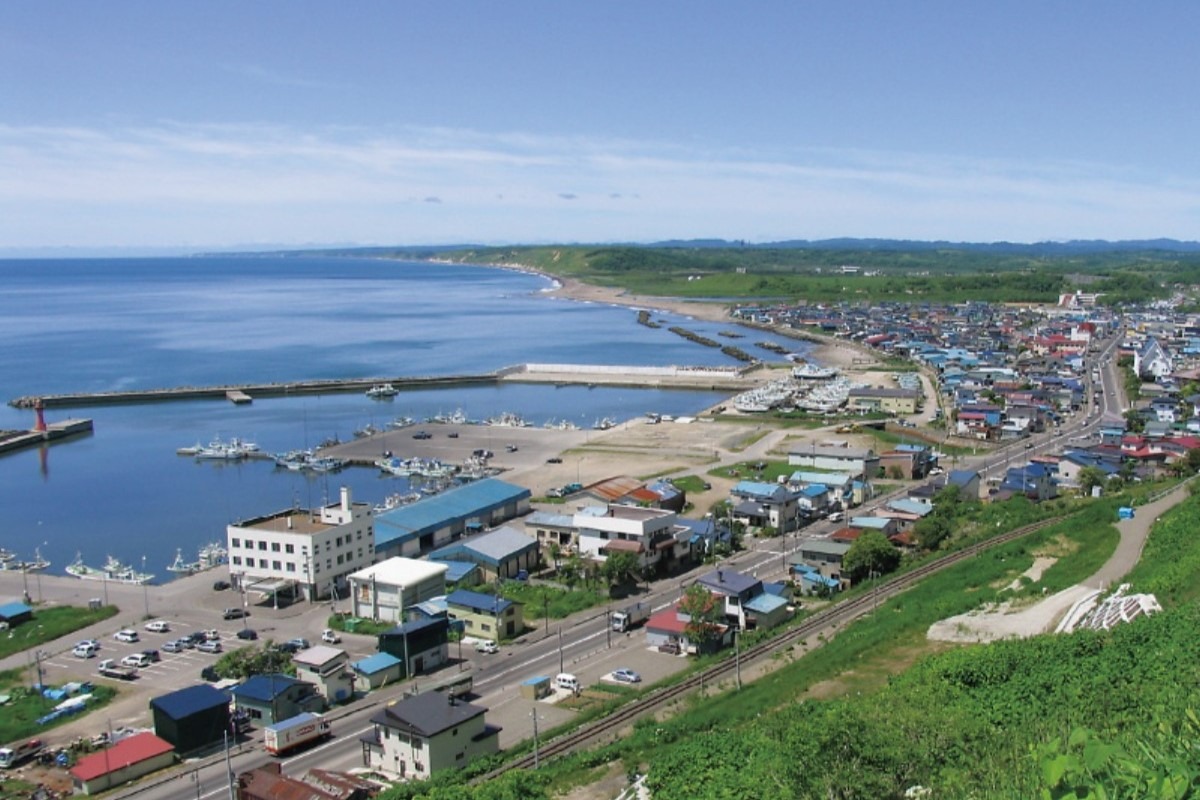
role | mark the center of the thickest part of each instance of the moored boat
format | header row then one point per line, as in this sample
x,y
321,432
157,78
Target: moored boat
x,y
181,566
382,391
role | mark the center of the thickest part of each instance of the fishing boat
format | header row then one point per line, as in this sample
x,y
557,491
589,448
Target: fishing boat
x,y
604,424
382,391
14,564
181,566
113,570
6,555
212,555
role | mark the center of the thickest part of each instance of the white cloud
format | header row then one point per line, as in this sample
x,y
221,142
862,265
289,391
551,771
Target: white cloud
x,y
215,184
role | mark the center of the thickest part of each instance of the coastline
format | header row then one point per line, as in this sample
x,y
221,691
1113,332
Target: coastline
x,y
826,351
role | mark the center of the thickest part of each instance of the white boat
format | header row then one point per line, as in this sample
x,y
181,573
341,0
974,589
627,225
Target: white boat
x,y
212,555
234,449
113,570
507,419
402,422
813,372
181,566
382,391
190,450
11,563
604,424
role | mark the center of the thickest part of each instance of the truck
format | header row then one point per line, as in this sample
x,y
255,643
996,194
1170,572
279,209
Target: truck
x,y
304,728
12,756
628,617
111,668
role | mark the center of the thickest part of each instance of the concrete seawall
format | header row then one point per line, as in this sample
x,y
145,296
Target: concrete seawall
x,y
700,378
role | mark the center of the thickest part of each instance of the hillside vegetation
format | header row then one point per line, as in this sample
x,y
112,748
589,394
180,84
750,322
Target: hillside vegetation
x,y
785,274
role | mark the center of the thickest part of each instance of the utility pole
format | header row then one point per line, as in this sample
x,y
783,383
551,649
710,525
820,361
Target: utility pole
x,y
737,658
561,666
608,627
534,715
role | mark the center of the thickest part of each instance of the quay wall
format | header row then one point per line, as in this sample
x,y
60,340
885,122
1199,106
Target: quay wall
x,y
669,376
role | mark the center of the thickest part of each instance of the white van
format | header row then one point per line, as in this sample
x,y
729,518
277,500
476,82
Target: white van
x,y
567,682
834,516
85,650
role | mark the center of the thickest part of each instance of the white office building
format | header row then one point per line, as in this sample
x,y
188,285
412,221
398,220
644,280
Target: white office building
x,y
383,591
308,551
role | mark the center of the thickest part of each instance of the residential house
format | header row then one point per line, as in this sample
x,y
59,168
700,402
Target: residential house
x,y
423,734
273,698
378,670
654,535
761,505
859,462
327,668
486,616
421,644
884,400
129,759
1151,360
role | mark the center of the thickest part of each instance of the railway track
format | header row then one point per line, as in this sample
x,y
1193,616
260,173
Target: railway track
x,y
832,617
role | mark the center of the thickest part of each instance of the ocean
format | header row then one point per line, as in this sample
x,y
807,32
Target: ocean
x,y
108,324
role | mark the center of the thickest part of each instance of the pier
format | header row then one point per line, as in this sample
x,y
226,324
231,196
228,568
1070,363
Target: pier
x,y
732,379
19,440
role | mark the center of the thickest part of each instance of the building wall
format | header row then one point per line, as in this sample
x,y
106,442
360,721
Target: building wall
x,y
386,602
418,757
336,685
317,549
125,774
486,625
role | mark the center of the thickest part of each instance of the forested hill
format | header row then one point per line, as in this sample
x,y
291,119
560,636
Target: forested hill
x,y
846,270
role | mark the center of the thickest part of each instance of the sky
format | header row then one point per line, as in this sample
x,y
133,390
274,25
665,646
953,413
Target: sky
x,y
290,123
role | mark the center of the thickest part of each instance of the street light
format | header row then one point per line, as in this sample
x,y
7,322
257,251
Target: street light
x,y
145,587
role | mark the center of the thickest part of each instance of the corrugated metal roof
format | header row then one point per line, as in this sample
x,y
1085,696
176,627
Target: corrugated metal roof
x,y
476,601
458,504
128,751
376,663
186,702
491,548
263,688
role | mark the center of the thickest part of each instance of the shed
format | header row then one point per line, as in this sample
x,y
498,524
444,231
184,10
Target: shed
x,y
15,613
378,670
536,688
127,760
191,718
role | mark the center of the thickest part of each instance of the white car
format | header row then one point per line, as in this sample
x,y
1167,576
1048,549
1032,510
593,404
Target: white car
x,y
126,635
158,626
136,660
330,636
486,646
209,646
85,650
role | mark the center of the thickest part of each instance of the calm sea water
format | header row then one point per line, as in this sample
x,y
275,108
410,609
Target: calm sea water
x,y
106,324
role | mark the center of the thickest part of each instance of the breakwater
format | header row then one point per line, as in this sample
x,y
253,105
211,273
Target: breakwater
x,y
222,392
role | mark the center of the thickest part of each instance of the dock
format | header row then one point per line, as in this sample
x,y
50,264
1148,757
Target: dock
x,y
702,378
19,440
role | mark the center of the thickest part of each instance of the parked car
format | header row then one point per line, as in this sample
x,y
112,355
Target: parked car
x,y
487,646
126,635
85,650
212,635
236,613
330,636
209,674
209,646
173,646
249,634
220,586
152,655
300,643
453,434
422,435
671,648
554,460
136,660
158,626
626,676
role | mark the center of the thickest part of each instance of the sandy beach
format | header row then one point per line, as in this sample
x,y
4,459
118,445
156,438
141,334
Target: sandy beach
x,y
828,353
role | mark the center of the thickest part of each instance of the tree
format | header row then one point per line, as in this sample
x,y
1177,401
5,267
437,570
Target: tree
x,y
870,553
1090,477
554,550
705,611
620,567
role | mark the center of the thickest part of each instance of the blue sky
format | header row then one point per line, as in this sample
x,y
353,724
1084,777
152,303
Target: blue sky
x,y
205,125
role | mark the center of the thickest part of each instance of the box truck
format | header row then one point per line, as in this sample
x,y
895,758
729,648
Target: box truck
x,y
629,617
294,732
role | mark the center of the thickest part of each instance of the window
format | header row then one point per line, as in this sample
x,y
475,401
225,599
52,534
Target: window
x,y
262,545
340,558
237,561
289,548
291,566
262,563
275,565
249,544
359,534
329,563
274,547
236,542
